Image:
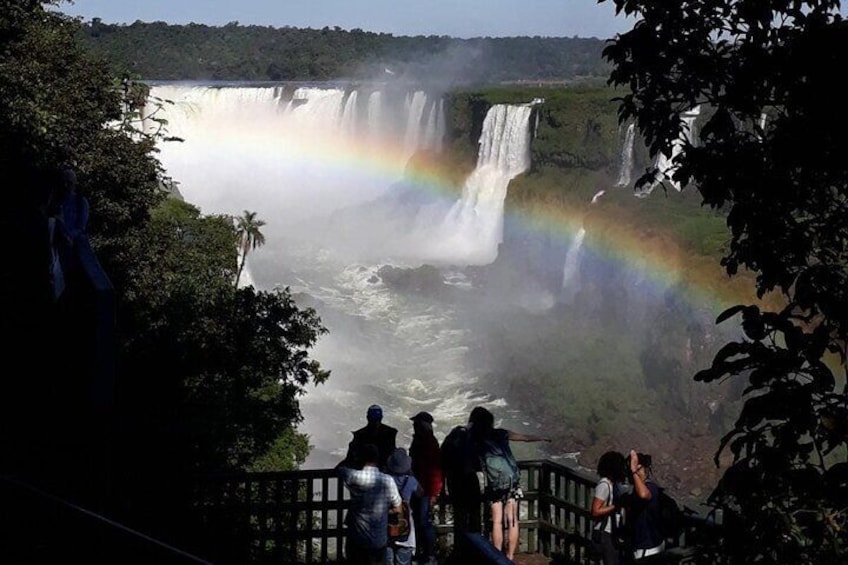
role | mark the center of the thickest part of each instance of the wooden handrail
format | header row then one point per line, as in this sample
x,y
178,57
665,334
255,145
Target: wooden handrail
x,y
298,516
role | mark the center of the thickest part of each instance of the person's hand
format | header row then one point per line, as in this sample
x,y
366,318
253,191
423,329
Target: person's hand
x,y
634,461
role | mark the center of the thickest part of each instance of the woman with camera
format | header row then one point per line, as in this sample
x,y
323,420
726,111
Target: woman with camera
x,y
644,511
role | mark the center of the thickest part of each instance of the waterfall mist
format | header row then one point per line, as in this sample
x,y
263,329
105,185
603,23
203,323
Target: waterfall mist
x,y
434,300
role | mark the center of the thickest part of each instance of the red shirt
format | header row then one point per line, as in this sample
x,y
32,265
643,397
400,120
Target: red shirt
x,y
427,463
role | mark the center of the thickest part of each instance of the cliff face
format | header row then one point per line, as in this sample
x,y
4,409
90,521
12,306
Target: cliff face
x,y
611,299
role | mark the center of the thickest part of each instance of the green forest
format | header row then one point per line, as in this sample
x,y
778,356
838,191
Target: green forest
x,y
160,51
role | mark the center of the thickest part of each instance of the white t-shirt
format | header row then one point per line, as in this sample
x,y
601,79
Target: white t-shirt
x,y
603,491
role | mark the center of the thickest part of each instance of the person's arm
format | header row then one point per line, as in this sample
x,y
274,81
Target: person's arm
x,y
600,509
639,486
515,436
394,496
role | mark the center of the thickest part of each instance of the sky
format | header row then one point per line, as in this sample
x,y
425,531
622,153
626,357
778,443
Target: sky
x,y
456,18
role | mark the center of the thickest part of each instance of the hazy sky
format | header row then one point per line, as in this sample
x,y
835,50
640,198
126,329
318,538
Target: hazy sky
x,y
457,18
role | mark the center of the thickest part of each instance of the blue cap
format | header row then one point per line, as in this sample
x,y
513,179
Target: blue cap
x,y
375,413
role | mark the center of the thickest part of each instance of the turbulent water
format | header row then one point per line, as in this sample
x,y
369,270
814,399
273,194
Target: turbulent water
x,y
321,166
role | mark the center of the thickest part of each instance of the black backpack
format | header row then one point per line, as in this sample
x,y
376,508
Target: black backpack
x,y
457,453
671,518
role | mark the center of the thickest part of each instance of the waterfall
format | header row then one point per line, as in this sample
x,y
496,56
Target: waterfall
x,y
415,111
349,117
374,115
473,228
435,130
293,162
572,256
625,173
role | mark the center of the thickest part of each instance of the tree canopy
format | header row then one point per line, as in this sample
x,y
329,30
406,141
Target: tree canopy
x,y
207,376
771,153
161,51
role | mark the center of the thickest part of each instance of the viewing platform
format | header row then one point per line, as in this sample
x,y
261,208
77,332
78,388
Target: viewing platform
x,y
298,517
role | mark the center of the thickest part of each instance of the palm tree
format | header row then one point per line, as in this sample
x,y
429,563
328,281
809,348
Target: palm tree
x,y
248,237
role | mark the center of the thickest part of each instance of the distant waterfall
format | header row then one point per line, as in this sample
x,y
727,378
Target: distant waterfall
x,y
572,256
625,173
664,163
349,115
474,225
415,105
292,152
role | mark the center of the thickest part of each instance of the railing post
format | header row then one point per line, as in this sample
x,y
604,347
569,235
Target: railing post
x,y
544,534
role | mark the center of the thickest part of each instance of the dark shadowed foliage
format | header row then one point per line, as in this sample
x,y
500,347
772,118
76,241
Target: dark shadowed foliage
x,y
771,153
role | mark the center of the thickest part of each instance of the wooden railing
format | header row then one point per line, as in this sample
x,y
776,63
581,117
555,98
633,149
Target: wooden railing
x,y
298,517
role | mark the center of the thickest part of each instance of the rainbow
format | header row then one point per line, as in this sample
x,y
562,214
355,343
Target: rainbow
x,y
658,258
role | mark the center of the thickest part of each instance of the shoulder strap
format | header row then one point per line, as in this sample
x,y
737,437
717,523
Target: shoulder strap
x,y
402,488
608,502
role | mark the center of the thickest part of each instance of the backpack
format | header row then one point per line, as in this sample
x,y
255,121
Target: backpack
x,y
498,464
621,531
670,517
399,523
457,454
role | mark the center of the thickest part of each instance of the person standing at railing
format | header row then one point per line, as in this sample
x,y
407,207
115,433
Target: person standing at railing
x,y
376,433
644,511
399,466
427,468
612,470
459,468
502,491
373,495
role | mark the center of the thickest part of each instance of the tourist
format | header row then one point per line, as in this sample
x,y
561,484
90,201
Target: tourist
x,y
427,468
376,433
399,466
612,469
644,511
373,495
502,490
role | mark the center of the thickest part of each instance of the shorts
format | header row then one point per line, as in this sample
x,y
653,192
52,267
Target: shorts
x,y
503,495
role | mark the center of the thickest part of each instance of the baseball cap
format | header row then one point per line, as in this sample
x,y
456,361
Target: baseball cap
x,y
375,412
424,416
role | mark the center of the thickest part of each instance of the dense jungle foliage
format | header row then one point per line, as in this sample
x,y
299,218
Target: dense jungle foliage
x,y
160,51
768,154
202,376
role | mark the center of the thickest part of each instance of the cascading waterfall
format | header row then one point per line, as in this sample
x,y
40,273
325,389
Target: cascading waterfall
x,y
473,228
572,262
416,103
625,173
297,160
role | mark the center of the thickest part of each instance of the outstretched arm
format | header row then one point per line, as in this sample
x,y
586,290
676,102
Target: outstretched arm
x,y
515,436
